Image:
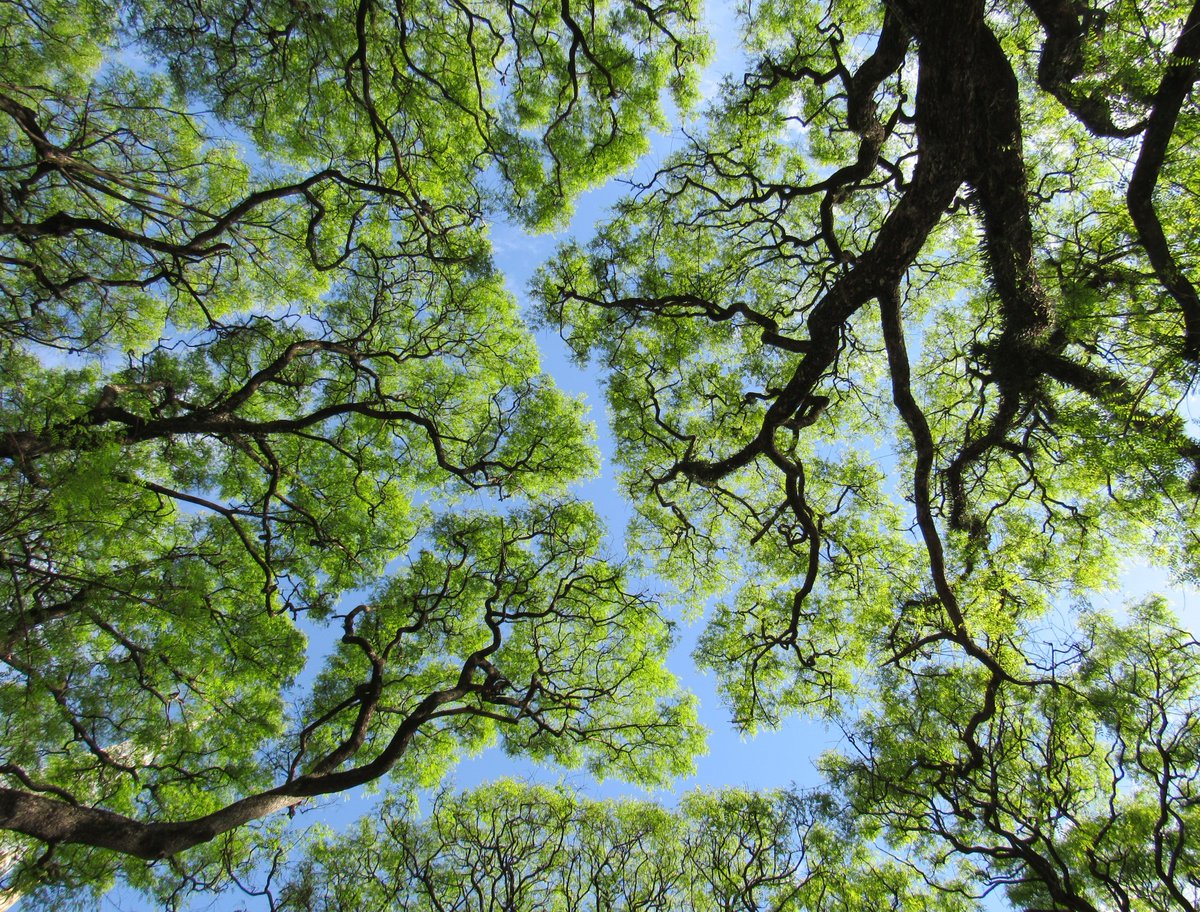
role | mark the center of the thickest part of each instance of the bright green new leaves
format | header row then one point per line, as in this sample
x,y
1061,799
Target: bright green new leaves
x,y
1074,787
898,347
425,97
521,632
825,306
519,848
256,362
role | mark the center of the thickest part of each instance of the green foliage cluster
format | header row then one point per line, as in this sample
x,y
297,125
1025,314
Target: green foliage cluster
x,y
514,846
897,347
262,384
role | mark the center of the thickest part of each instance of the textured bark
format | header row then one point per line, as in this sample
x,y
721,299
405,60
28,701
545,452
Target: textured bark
x,y
968,126
1182,72
60,822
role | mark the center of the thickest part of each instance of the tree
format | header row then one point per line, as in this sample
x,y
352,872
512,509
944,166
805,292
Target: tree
x,y
510,846
897,348
262,380
1077,793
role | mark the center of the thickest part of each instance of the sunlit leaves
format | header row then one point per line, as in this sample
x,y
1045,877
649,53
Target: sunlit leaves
x,y
897,370
259,369
509,846
1076,783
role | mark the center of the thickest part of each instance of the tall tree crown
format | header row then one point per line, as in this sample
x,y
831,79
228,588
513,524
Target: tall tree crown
x,y
262,381
896,347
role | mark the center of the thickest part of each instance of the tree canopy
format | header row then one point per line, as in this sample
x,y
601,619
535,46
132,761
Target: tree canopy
x,y
897,347
262,380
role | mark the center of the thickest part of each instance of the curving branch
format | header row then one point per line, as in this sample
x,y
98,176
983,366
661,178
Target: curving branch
x,y
1069,26
1183,68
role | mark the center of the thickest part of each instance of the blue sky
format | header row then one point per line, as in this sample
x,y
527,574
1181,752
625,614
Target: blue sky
x,y
772,758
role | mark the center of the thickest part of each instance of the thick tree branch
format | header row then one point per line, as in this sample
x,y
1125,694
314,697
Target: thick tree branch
x,y
1183,67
